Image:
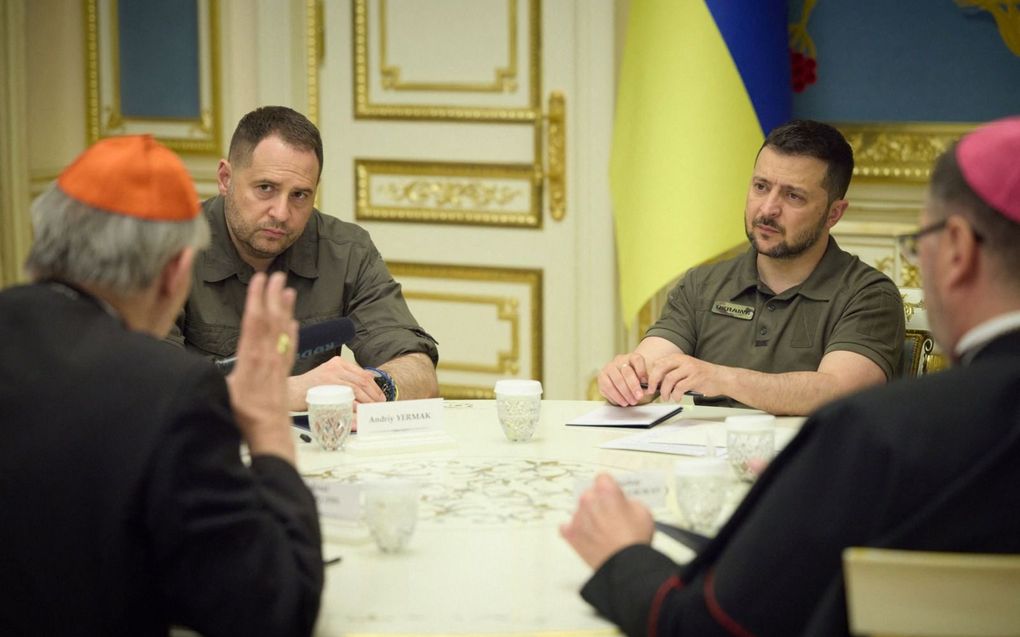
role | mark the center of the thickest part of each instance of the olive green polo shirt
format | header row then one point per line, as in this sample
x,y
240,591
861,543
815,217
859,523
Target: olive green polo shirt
x,y
336,271
723,313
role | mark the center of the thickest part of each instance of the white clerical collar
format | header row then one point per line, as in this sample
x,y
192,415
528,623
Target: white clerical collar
x,y
986,332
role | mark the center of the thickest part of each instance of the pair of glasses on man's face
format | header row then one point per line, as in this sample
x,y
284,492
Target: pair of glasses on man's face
x,y
908,242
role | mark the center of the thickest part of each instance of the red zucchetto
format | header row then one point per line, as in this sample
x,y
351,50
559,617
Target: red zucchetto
x,y
132,175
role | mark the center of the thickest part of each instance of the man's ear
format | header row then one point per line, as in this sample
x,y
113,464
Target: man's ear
x,y
223,175
175,279
836,210
959,252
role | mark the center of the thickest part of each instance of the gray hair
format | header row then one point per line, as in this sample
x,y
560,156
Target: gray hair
x,y
77,243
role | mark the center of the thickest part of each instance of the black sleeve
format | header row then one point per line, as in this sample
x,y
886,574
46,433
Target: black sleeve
x,y
624,589
777,561
237,549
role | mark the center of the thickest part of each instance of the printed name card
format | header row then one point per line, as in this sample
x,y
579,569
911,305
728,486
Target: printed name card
x,y
648,487
336,500
398,416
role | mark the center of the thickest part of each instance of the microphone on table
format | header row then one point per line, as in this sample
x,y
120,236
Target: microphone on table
x,y
312,339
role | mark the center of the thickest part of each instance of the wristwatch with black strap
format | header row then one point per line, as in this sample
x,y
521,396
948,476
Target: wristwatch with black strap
x,y
385,383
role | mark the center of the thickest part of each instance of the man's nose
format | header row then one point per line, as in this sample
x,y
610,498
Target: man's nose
x,y
278,210
771,204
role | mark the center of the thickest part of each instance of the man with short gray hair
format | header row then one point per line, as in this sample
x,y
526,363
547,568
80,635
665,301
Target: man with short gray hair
x,y
127,506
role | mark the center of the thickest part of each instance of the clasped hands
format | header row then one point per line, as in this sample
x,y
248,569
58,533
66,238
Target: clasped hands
x,y
629,380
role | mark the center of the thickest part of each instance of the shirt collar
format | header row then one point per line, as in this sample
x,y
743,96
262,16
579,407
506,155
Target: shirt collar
x,y
979,336
746,275
222,261
817,286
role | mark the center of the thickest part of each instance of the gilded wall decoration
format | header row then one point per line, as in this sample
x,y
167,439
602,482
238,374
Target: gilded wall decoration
x,y
167,86
444,192
903,152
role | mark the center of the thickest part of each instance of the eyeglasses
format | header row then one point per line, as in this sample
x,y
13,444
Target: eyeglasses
x,y
908,242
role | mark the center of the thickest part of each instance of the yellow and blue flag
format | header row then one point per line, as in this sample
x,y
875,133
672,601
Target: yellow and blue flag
x,y
701,84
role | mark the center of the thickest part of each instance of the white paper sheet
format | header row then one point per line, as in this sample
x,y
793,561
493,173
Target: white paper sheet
x,y
687,437
637,416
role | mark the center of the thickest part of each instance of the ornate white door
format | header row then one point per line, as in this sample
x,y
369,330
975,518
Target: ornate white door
x,y
470,138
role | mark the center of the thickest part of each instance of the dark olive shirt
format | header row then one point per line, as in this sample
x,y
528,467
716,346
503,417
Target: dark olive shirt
x,y
724,314
336,271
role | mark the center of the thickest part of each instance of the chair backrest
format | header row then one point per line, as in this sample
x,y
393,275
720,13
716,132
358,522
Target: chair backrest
x,y
924,594
917,353
920,355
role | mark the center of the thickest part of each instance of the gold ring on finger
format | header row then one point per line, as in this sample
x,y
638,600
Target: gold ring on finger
x,y
283,343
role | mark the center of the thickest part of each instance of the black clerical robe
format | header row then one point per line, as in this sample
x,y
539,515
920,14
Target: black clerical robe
x,y
929,464
125,506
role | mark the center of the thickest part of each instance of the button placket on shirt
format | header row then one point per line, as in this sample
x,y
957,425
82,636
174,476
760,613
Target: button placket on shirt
x,y
766,320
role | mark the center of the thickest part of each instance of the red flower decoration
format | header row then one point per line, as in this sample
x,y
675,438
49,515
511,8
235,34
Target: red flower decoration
x,y
802,71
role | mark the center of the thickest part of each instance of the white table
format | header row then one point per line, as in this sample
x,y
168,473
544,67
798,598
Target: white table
x,y
486,556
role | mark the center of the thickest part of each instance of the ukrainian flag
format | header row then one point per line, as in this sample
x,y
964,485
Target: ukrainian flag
x,y
701,83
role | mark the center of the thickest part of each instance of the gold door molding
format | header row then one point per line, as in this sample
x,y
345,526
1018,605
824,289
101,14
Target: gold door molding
x,y
504,77
508,195
515,297
508,362
380,79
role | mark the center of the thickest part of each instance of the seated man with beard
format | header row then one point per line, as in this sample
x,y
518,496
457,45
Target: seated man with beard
x,y
791,324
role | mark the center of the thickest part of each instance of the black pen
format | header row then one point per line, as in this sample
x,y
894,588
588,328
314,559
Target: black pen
x,y
332,560
686,393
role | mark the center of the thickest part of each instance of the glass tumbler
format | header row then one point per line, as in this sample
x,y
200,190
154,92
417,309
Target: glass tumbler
x,y
518,404
748,438
701,486
330,414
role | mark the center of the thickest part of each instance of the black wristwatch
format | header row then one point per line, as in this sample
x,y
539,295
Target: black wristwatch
x,y
385,383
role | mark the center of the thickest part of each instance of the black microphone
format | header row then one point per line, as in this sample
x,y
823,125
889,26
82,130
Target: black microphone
x,y
312,339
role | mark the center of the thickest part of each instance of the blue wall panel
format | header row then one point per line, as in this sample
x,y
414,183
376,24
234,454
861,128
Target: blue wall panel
x,y
159,58
909,61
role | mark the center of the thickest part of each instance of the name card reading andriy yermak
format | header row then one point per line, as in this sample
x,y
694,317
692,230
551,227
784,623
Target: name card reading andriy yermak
x,y
403,415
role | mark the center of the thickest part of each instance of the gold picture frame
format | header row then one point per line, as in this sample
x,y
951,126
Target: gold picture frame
x,y
187,133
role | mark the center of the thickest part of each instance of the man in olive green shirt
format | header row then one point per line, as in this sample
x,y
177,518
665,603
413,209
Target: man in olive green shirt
x,y
264,220
793,323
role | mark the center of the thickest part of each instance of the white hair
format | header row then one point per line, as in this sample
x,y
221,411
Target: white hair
x,y
77,243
